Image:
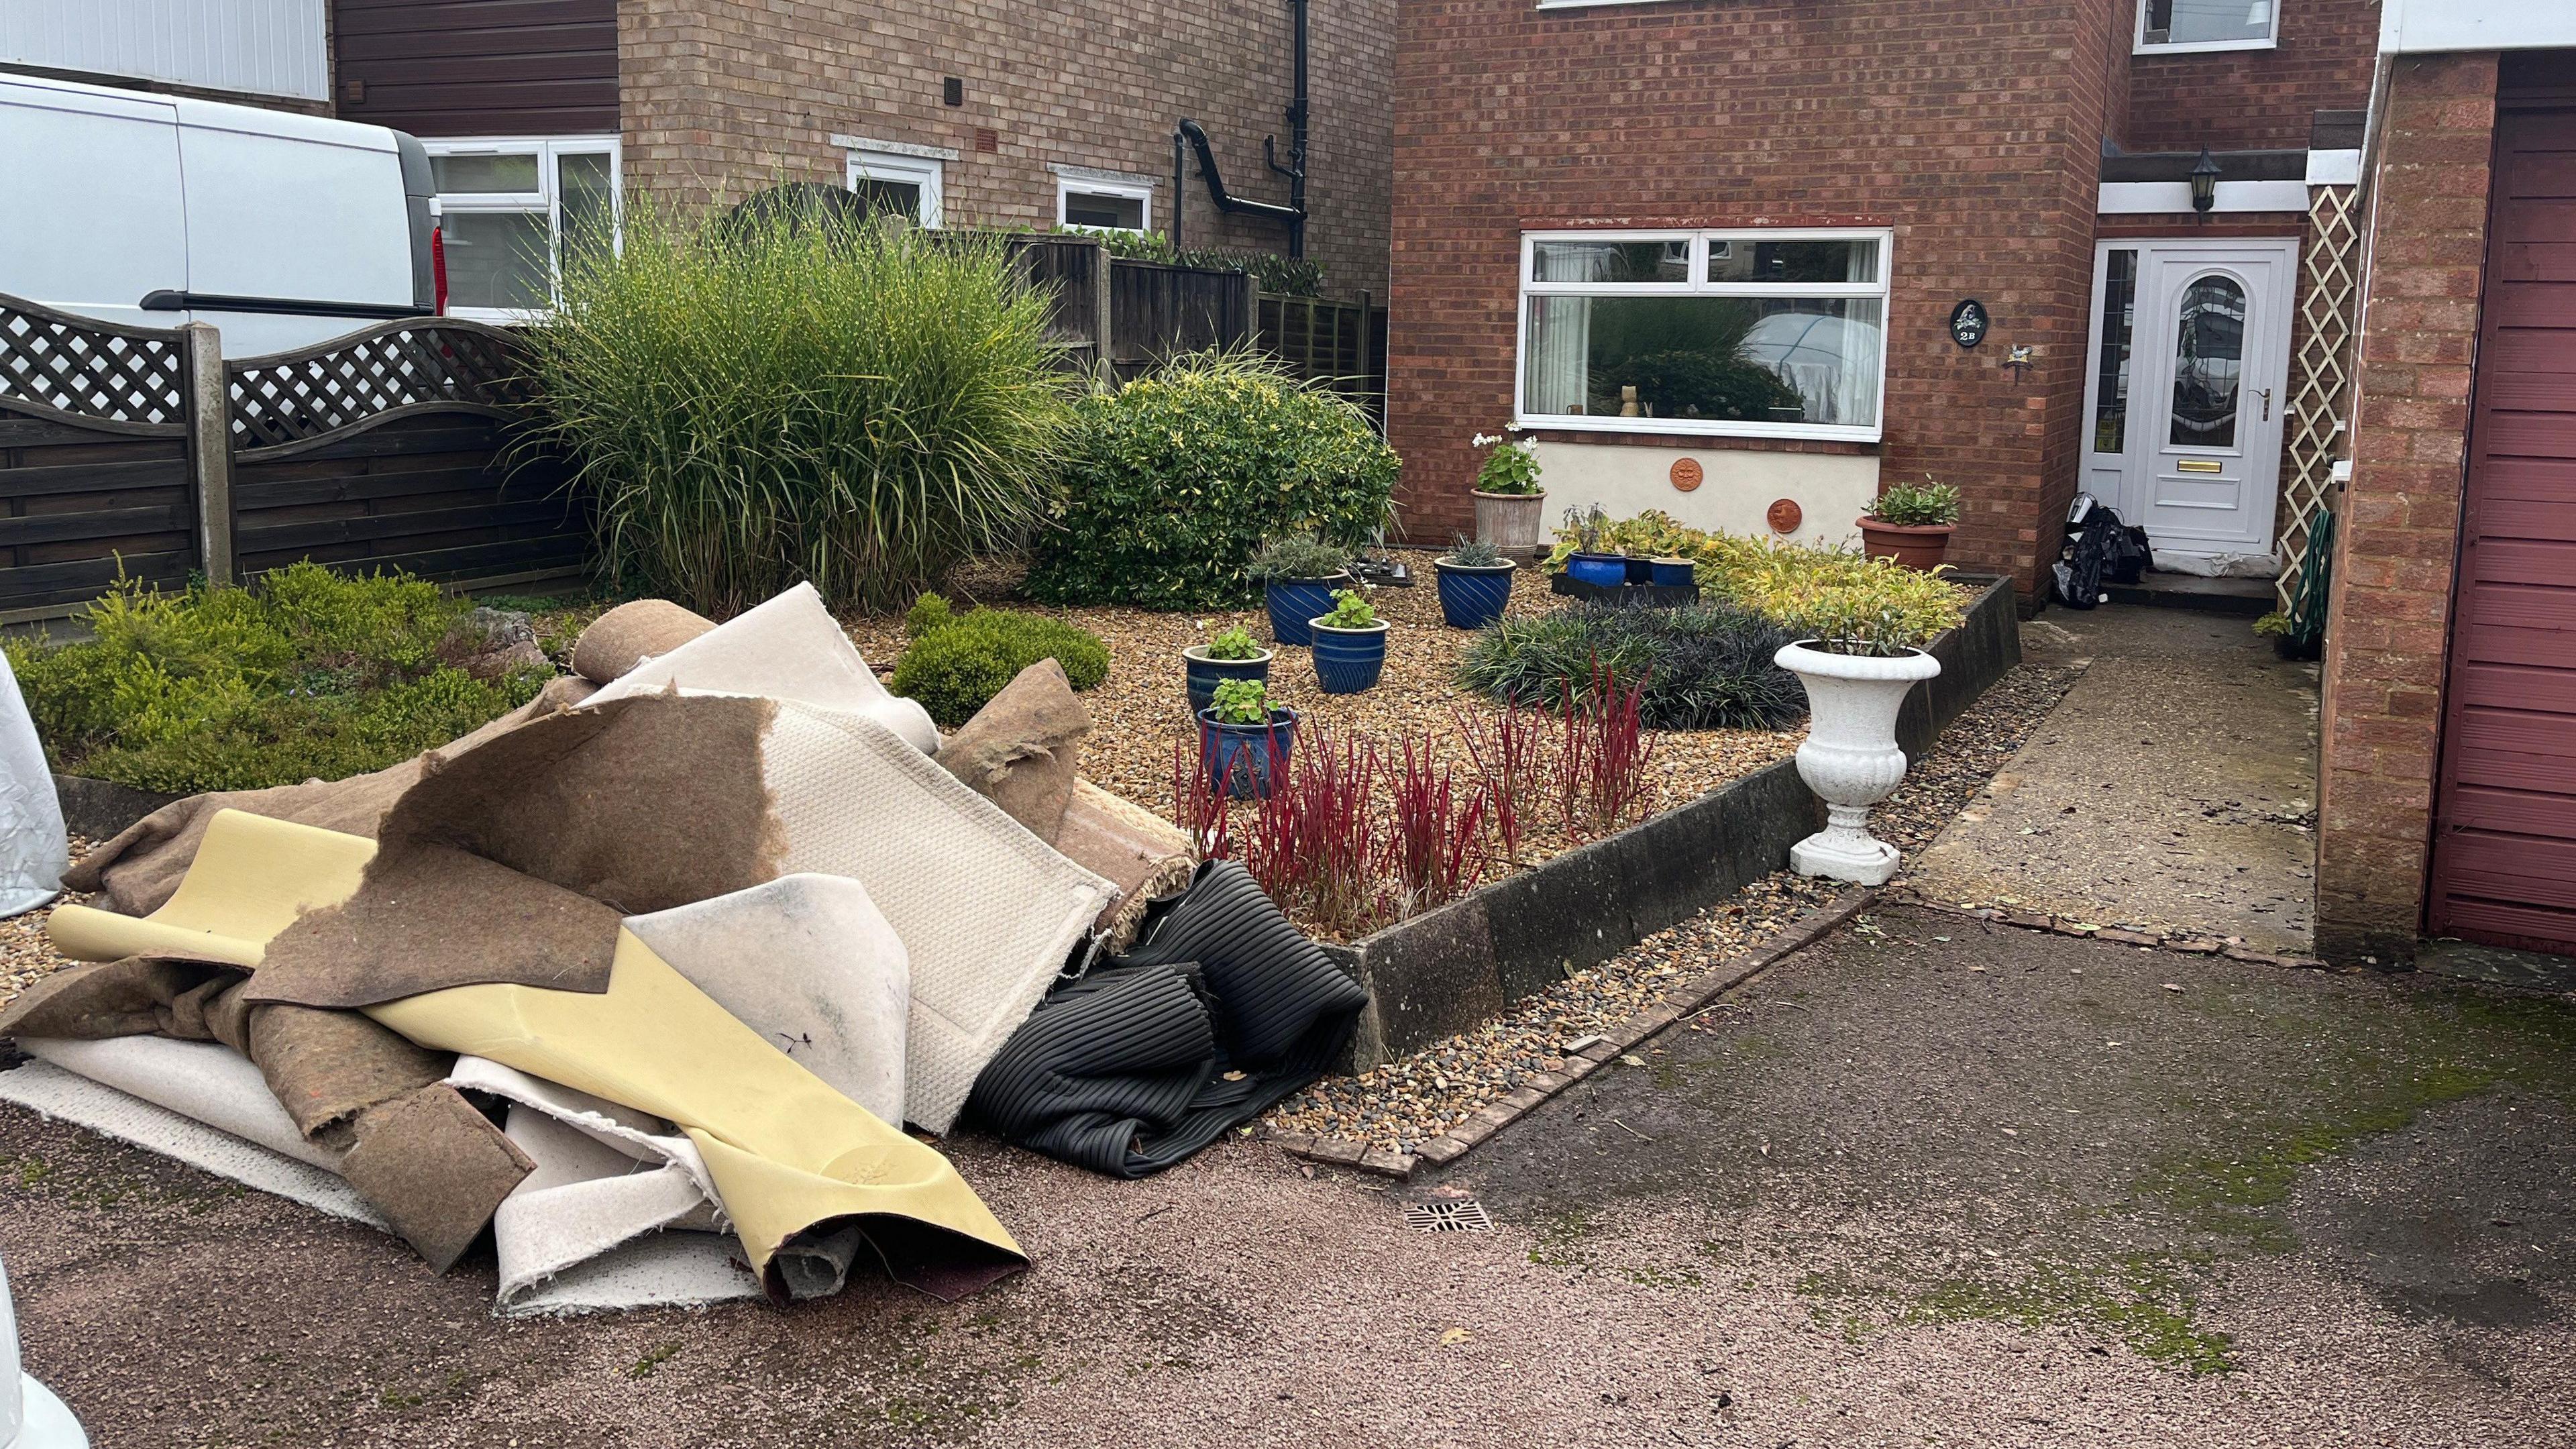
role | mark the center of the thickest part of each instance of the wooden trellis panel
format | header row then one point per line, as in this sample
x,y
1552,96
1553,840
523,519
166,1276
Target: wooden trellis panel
x,y
90,369
443,364
2321,373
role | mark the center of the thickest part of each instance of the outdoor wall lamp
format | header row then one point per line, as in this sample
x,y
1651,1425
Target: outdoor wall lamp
x,y
2204,182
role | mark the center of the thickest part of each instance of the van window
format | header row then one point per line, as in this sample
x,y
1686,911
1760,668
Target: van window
x,y
508,208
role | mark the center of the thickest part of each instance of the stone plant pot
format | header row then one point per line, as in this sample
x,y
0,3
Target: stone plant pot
x,y
1916,546
1473,595
1850,758
1202,674
1246,761
1510,521
1294,601
1348,661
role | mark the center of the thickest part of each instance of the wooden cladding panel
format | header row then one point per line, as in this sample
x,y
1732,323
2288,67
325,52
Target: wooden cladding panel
x,y
478,67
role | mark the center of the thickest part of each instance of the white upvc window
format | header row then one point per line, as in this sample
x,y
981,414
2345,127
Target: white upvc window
x,y
1771,333
2173,27
907,183
1103,204
507,206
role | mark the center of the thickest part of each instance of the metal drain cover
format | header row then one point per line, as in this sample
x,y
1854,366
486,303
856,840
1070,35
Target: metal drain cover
x,y
1455,1215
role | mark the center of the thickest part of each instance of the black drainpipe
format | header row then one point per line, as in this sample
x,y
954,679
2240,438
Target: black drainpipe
x,y
1193,135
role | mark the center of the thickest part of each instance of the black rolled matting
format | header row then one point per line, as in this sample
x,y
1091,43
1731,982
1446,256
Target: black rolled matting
x,y
1223,1008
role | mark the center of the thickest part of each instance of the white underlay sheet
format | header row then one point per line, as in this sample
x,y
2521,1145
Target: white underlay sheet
x,y
788,648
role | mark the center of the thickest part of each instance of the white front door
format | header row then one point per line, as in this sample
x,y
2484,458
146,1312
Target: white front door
x,y
2187,383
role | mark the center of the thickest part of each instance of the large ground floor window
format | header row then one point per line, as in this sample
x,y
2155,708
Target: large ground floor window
x,y
507,207
1752,333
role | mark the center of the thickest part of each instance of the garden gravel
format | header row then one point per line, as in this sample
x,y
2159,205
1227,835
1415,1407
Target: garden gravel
x,y
26,956
1409,1101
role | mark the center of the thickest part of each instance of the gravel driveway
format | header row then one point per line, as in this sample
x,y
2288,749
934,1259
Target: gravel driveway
x,y
1901,1190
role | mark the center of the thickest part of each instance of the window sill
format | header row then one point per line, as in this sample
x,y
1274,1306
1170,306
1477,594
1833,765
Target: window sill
x,y
2201,47
1670,428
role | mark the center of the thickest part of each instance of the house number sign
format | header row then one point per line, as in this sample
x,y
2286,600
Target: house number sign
x,y
1968,322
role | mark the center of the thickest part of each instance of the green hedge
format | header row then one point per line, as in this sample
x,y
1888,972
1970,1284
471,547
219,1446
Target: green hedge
x,y
956,663
313,675
1176,478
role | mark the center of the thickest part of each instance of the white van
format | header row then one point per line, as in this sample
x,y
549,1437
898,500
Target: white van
x,y
281,230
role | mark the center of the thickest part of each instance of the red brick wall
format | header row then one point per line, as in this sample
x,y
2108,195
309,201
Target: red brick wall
x,y
723,96
1974,133
2249,100
2398,535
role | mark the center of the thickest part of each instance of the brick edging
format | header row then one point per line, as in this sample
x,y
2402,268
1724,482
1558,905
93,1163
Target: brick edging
x,y
1676,1003
2193,945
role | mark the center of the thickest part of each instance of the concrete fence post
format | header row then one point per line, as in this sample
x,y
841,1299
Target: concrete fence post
x,y
210,452
1104,377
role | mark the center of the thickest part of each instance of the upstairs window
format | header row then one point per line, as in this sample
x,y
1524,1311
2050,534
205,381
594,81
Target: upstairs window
x,y
507,209
1103,205
1749,333
2168,26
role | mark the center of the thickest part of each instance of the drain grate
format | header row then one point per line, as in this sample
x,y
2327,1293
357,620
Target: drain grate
x,y
1457,1215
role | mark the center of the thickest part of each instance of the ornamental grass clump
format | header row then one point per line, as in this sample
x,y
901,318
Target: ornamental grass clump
x,y
956,663
1177,478
753,402
1702,667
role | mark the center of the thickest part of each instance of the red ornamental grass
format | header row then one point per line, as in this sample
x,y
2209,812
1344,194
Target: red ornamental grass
x,y
1313,845
1510,753
1601,778
1198,805
1436,844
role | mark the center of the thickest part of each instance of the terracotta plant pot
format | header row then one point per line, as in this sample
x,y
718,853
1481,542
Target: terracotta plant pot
x,y
1510,521
1917,546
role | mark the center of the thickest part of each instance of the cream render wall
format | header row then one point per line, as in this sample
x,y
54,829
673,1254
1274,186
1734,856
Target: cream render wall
x,y
1736,491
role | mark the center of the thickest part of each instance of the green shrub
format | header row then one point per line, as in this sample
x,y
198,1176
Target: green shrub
x,y
1917,505
1177,478
313,675
1287,276
956,667
756,402
1703,668
927,613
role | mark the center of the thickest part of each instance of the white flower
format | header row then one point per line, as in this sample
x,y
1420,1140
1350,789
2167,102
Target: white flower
x,y
1482,441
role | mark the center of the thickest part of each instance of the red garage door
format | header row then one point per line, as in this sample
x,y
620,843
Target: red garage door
x,y
2504,847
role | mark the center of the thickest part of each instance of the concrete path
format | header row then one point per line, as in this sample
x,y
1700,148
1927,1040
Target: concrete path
x,y
2000,1189
2173,789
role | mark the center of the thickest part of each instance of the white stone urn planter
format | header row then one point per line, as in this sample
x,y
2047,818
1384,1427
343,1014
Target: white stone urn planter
x,y
1850,758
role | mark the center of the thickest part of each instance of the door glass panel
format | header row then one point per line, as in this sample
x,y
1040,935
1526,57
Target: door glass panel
x,y
2119,315
2209,363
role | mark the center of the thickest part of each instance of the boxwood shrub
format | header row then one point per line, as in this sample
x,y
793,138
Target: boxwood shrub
x,y
956,663
1176,478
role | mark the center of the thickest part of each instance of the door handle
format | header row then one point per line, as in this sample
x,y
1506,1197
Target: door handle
x,y
2265,394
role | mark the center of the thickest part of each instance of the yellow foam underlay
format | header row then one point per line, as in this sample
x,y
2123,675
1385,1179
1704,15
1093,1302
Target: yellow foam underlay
x,y
785,1149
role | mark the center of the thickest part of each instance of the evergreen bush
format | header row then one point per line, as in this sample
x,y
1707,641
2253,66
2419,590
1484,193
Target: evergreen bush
x,y
956,665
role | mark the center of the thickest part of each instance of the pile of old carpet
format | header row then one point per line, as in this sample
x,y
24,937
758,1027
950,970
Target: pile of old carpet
x,y
644,977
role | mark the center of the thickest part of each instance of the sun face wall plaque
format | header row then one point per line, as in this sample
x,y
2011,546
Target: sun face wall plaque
x,y
1785,515
1687,474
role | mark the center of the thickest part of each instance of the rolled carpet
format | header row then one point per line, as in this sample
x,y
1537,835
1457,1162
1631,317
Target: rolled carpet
x,y
1223,1008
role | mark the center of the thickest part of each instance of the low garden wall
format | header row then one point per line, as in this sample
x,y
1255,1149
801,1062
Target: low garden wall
x,y
1448,970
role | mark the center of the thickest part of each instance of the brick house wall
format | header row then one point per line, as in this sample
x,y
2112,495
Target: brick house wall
x,y
1971,131
2398,540
2251,100
719,98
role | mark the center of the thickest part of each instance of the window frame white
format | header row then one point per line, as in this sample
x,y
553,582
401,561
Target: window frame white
x,y
1697,271
1067,186
929,173
547,198
2139,44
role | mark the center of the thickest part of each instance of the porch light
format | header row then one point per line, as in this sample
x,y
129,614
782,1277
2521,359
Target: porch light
x,y
2204,182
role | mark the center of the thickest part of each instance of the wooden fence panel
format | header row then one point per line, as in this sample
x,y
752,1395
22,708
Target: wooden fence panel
x,y
435,493
1067,269
1156,311
1340,344
94,468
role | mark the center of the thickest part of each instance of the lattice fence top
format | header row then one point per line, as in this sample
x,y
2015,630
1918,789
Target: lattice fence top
x,y
91,369
295,397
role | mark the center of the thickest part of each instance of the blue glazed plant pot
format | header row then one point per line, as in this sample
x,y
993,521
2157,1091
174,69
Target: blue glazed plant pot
x,y
1671,573
1294,601
1640,570
1472,596
1203,674
1604,570
1246,761
1348,661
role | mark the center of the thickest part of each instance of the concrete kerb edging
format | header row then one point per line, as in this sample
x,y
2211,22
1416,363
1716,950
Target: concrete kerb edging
x,y
2190,945
1675,1005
